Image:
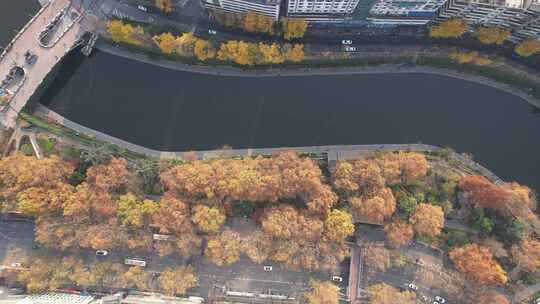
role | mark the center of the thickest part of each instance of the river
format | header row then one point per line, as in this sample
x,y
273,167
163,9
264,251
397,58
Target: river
x,y
171,110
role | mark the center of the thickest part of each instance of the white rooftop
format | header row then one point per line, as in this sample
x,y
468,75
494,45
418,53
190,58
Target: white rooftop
x,y
57,298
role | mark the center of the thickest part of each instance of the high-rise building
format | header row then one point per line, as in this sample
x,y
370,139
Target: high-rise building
x,y
518,16
411,12
268,8
323,9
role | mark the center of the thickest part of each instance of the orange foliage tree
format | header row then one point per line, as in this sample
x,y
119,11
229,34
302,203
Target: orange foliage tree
x,y
113,176
477,263
527,255
322,293
224,249
399,233
491,297
452,28
385,294
483,193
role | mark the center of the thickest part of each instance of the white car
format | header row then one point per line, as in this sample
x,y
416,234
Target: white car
x,y
412,286
350,48
16,265
142,8
267,268
102,252
346,42
440,300
337,279
212,32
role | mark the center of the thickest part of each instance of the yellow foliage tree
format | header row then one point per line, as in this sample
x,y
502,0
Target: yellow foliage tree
x,y
293,27
477,263
121,32
176,281
208,219
386,294
452,28
295,53
224,249
203,50
338,225
166,42
492,35
528,47
186,44
427,220
322,293
271,53
464,57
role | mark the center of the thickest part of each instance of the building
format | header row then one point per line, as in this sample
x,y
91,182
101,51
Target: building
x,y
519,16
314,10
268,8
57,298
406,12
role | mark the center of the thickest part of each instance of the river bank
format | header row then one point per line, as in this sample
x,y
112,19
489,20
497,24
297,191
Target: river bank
x,y
375,67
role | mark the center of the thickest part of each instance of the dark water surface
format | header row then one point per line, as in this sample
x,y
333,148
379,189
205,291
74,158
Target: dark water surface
x,y
13,16
170,110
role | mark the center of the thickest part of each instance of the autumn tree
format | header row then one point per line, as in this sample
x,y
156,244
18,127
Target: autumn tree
x,y
166,42
399,233
491,297
257,23
386,294
271,53
402,167
37,277
164,5
375,208
294,53
473,57
286,222
362,175
451,28
208,219
477,263
483,193
135,277
427,220
527,255
186,44
176,281
40,201
111,177
338,225
136,213
224,249
492,35
256,246
19,172
293,27
322,293
173,216
126,33
527,47
203,50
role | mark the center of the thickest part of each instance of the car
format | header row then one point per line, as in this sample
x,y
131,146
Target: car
x,y
350,48
267,268
440,300
537,301
142,8
346,42
16,265
337,279
102,252
412,286
212,32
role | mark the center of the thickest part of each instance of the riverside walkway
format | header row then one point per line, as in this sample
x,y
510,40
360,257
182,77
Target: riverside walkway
x,y
33,55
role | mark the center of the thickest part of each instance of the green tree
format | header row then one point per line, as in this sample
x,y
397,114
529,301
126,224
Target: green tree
x,y
406,204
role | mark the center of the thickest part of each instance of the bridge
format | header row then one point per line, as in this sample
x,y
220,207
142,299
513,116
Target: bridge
x,y
32,54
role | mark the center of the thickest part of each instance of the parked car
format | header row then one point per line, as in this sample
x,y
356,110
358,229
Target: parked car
x,y
142,8
267,268
346,42
16,265
440,300
350,48
212,32
337,279
412,286
102,252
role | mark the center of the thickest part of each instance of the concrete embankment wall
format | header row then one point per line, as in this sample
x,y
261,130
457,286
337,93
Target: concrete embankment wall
x,y
331,153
